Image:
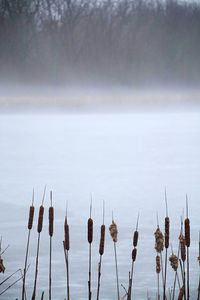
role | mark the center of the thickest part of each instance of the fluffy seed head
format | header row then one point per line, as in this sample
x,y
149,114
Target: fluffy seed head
x,y
157,264
90,230
167,232
134,254
135,238
187,232
158,240
31,215
113,231
174,262
51,218
40,219
102,240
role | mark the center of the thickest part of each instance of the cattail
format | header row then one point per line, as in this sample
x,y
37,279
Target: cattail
x,y
31,215
51,218
158,240
66,229
157,264
174,262
2,268
135,238
167,232
113,231
90,230
102,240
181,293
182,243
40,219
134,254
187,232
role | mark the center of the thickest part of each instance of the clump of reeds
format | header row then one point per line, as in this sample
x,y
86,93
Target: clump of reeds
x,y
114,232
51,220
134,254
66,246
90,239
39,230
30,225
101,252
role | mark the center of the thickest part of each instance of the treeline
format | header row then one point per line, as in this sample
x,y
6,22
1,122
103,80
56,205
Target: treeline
x,y
131,42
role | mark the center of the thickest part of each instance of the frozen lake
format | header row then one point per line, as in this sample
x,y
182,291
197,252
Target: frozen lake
x,y
125,159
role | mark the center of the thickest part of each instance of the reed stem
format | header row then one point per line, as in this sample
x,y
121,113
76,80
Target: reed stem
x,y
36,268
116,267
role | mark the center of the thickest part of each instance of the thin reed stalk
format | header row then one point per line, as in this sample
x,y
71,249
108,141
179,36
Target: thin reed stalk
x,y
90,238
51,220
39,229
30,225
101,252
167,223
187,242
66,247
114,232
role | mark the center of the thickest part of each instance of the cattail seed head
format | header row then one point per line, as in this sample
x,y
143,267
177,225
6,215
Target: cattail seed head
x,y
113,231
182,243
40,219
157,264
167,232
174,262
158,240
135,238
51,218
90,230
102,240
134,254
187,232
181,293
66,229
31,215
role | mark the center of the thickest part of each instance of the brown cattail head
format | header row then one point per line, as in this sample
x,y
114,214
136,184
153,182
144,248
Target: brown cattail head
x,y
174,262
66,228
51,218
135,238
102,240
187,232
31,215
167,232
2,268
182,243
40,219
113,231
90,230
134,254
158,240
181,293
157,264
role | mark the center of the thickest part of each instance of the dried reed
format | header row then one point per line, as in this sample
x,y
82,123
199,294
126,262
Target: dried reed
x,y
167,223
30,225
187,243
101,252
51,220
39,229
66,246
114,232
181,293
134,254
90,238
